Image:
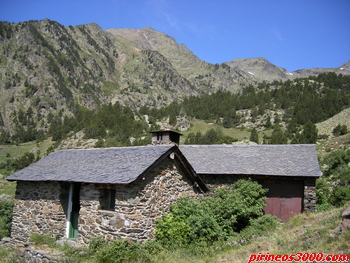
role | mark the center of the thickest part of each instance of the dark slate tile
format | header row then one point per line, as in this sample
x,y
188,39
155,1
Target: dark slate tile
x,y
107,165
284,160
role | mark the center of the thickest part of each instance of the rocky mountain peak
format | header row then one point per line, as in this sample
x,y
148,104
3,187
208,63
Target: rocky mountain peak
x,y
345,66
259,67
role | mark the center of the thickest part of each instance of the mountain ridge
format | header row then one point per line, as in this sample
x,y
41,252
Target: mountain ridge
x,y
264,70
46,68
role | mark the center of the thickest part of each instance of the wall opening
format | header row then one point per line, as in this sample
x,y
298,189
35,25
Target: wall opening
x,y
73,210
107,199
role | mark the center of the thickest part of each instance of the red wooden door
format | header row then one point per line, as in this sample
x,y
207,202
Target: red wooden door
x,y
285,198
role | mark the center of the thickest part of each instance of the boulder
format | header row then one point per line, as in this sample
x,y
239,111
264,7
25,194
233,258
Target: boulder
x,y
345,223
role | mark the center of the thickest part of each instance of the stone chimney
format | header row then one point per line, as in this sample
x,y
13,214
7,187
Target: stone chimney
x,y
165,137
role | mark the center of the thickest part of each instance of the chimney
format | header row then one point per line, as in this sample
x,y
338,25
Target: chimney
x,y
165,137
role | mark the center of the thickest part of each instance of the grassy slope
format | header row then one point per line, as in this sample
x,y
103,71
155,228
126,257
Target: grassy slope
x,y
304,233
7,188
16,151
238,134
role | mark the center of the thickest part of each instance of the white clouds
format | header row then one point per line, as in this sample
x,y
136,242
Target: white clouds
x,y
171,20
275,31
160,13
179,17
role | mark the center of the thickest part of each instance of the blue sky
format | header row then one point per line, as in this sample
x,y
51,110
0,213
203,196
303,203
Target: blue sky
x,y
292,34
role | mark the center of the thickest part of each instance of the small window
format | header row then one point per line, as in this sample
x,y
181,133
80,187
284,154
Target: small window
x,y
111,199
107,199
159,136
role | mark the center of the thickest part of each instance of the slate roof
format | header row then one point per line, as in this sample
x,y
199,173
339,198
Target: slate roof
x,y
124,165
106,165
283,160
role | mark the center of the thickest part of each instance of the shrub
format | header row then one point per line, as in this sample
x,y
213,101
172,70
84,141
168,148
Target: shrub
x,y
96,243
23,161
122,250
5,218
234,207
323,192
340,130
153,247
172,230
189,221
213,219
336,164
336,173
258,227
340,196
46,239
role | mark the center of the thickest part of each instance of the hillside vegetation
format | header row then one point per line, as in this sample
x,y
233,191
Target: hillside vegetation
x,y
289,104
48,71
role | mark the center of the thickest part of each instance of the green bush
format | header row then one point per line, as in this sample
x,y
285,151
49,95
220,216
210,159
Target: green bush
x,y
334,187
5,218
215,218
172,230
39,240
323,192
121,250
23,161
340,130
257,228
336,165
234,207
340,196
189,221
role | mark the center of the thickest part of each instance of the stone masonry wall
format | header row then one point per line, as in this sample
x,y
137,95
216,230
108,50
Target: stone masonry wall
x,y
37,210
310,195
137,206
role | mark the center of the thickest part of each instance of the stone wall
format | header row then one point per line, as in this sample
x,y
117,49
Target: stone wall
x,y
137,205
40,207
37,209
310,194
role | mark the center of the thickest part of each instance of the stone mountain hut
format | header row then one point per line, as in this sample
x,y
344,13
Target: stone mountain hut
x,y
120,192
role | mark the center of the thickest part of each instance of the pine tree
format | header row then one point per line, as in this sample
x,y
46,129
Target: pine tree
x,y
310,133
254,136
278,136
268,122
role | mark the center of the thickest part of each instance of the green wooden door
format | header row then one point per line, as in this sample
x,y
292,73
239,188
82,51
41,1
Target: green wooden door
x,y
74,211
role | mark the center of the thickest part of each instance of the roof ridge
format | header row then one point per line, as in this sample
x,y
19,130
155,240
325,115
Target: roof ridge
x,y
245,145
114,147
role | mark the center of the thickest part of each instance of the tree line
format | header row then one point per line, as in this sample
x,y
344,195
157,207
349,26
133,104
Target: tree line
x,y
304,102
307,99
